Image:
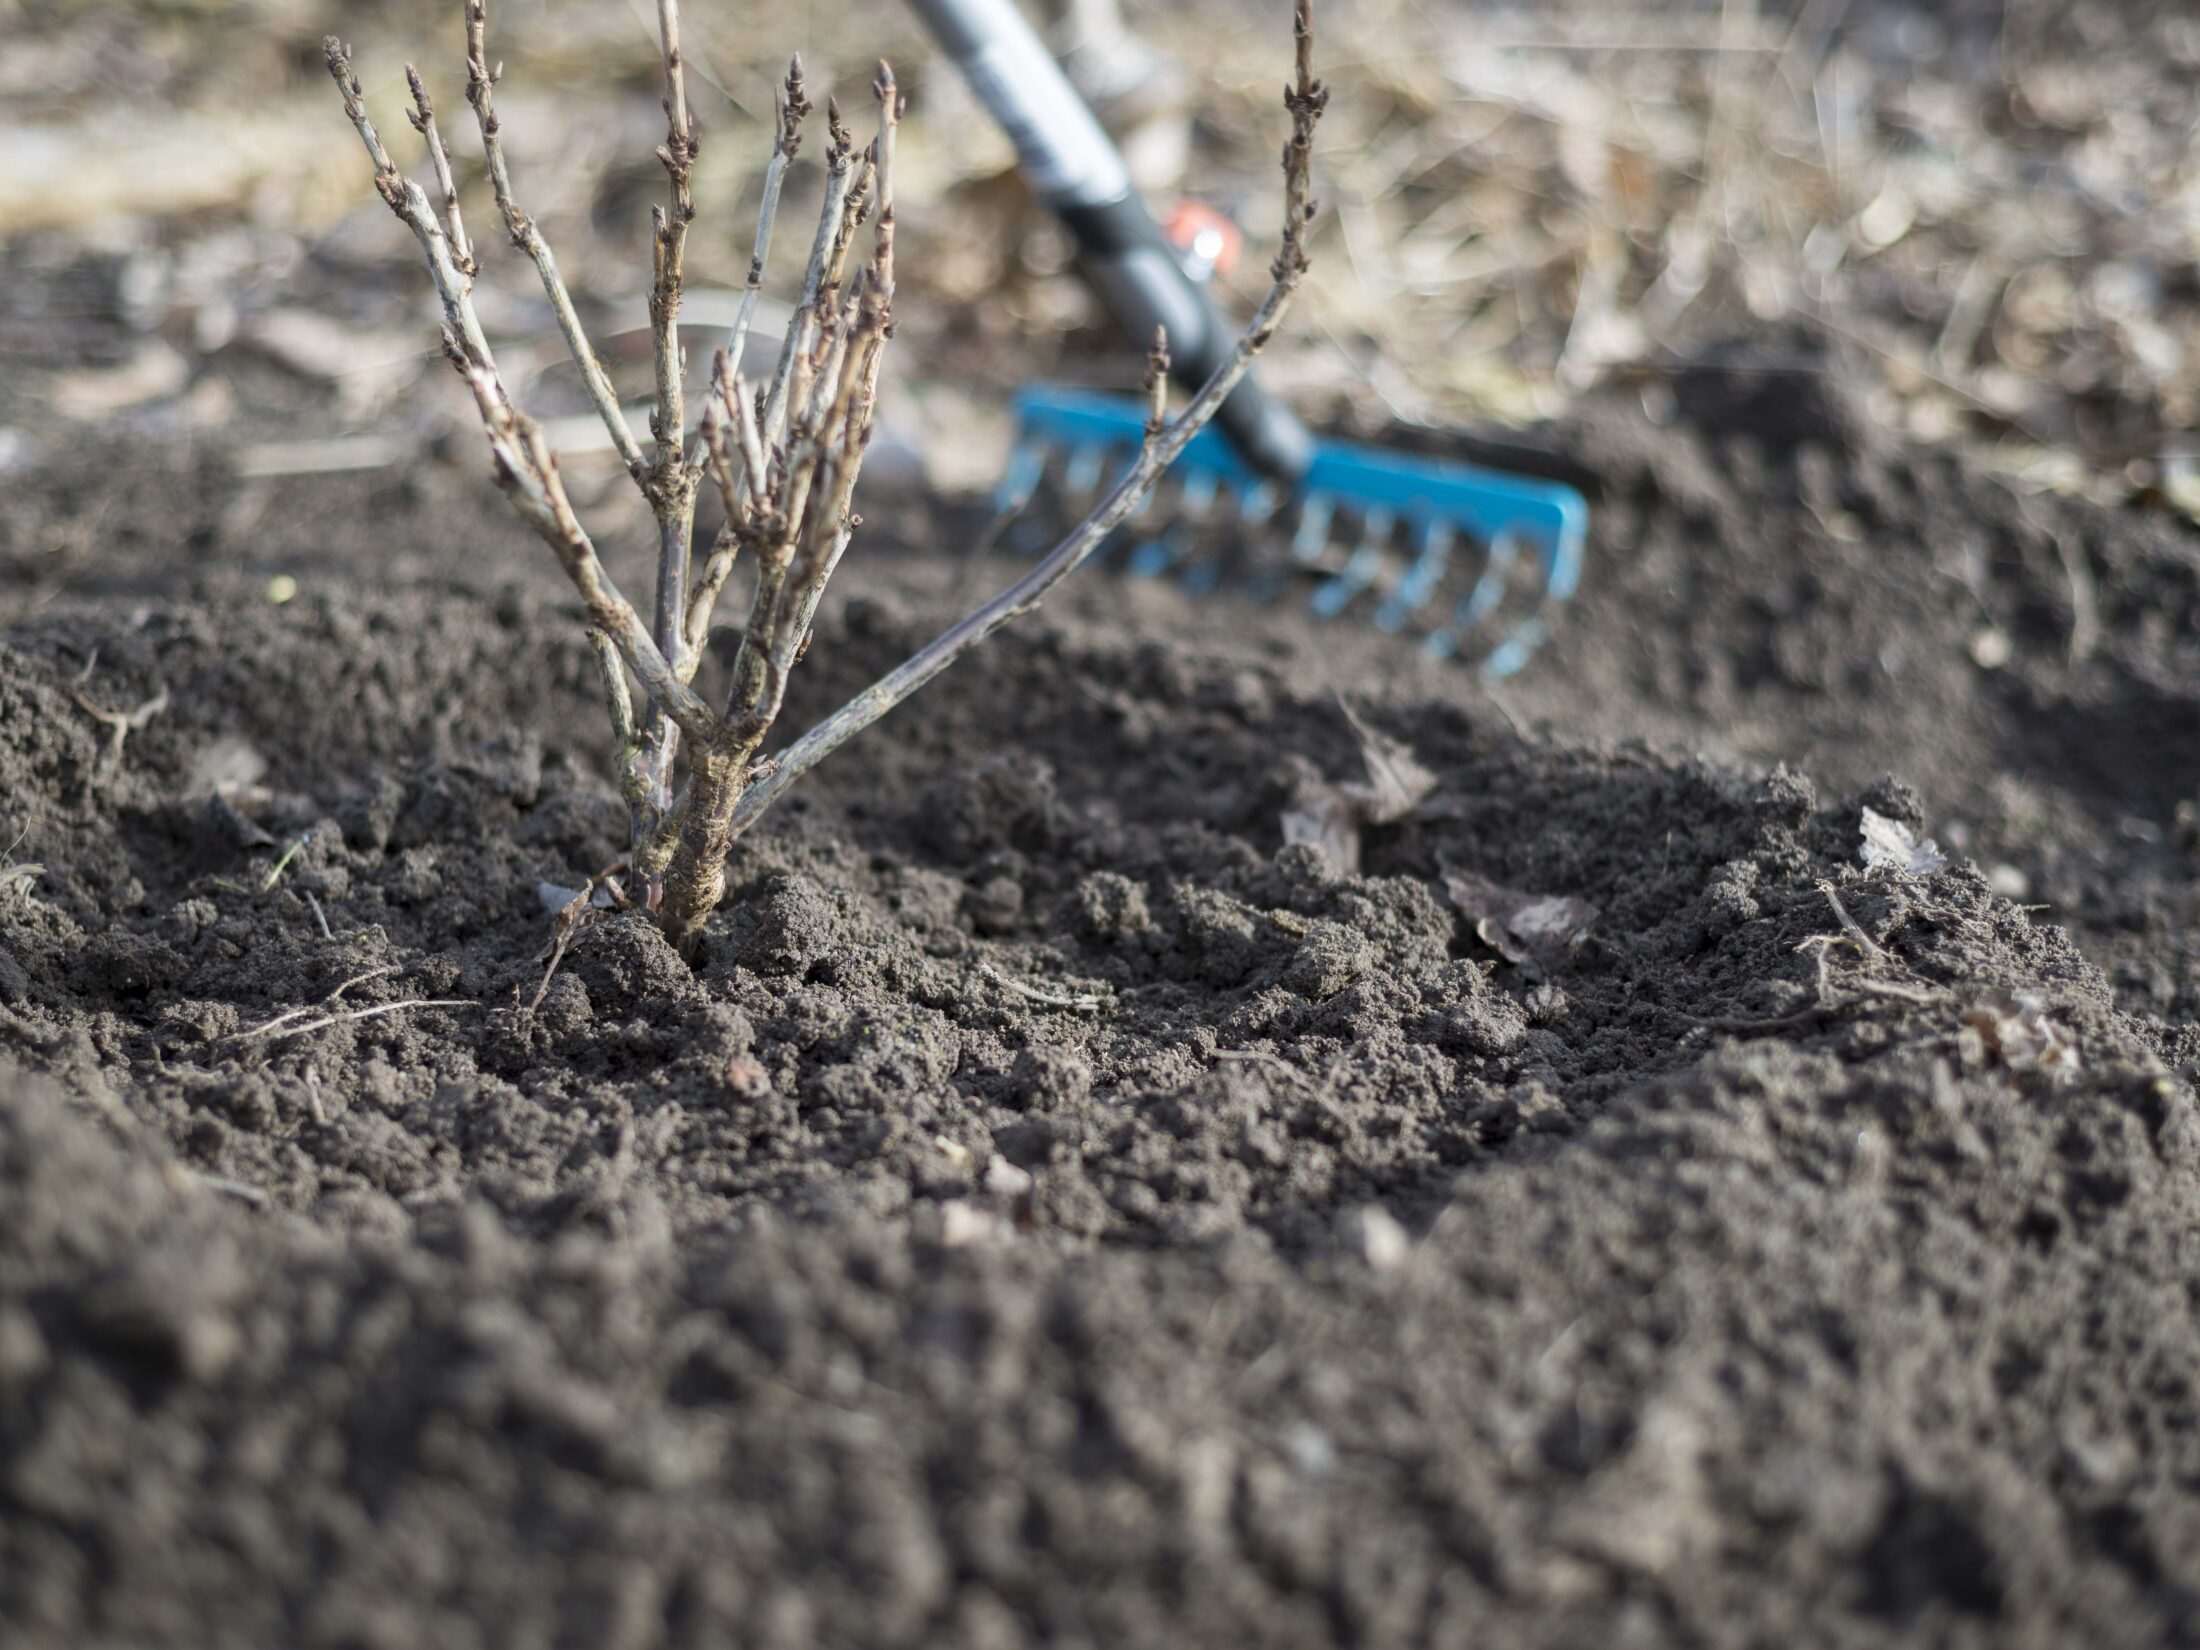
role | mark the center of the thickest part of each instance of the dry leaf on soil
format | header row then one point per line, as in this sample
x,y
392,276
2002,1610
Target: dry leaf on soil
x,y
1889,842
1326,819
1397,782
554,897
1533,932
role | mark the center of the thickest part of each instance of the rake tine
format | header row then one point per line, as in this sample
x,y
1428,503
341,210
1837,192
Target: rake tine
x,y
1421,579
1361,568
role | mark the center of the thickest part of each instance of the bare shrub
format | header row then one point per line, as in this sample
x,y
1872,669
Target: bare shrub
x,y
784,456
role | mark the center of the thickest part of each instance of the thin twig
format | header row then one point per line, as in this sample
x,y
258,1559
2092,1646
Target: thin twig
x,y
1856,992
528,473
481,82
286,1017
453,286
2085,604
439,156
633,780
524,467
744,493
1157,384
856,397
671,481
791,105
826,386
1083,1002
1778,1022
839,185
346,1018
1821,946
1923,995
1849,925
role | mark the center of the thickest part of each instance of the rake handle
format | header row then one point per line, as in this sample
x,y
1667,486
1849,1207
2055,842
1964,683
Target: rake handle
x,y
1072,166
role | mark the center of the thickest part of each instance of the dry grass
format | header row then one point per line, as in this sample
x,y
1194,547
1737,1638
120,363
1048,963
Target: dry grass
x,y
1541,202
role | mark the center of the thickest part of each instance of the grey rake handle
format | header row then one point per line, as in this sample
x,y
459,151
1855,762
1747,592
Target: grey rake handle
x,y
1075,169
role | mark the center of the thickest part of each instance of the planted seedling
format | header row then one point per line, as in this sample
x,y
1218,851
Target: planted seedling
x,y
783,456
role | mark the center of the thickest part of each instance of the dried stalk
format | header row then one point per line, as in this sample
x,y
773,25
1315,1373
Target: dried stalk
x,y
481,94
121,723
375,1013
671,483
785,463
453,285
832,233
481,82
793,107
524,467
528,473
423,122
836,224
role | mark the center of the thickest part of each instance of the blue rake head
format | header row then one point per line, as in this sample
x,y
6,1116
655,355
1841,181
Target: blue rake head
x,y
1467,560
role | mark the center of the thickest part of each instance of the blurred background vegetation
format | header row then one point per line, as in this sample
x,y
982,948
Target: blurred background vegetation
x,y
1989,213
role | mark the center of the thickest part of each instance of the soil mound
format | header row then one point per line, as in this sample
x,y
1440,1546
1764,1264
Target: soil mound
x,y
1064,1209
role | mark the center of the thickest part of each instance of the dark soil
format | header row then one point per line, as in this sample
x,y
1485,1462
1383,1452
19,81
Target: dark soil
x,y
1058,1211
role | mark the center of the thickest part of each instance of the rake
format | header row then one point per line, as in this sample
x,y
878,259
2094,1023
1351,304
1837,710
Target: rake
x,y
1467,560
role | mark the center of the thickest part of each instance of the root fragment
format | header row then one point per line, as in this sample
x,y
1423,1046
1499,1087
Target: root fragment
x,y
1080,1002
121,723
295,1022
